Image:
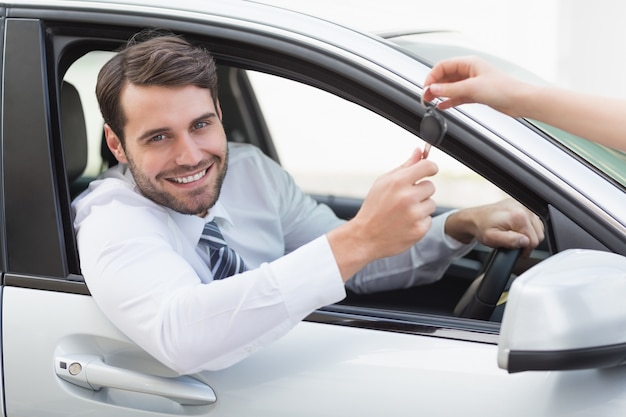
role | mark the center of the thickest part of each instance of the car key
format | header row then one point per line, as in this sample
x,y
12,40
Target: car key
x,y
432,128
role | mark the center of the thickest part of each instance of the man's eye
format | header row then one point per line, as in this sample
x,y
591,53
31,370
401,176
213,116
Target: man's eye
x,y
157,138
199,125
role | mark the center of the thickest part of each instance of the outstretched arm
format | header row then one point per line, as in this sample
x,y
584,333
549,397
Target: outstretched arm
x,y
473,80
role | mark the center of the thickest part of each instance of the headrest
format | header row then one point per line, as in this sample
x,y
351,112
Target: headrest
x,y
74,131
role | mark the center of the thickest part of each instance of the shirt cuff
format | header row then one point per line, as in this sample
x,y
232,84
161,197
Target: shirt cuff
x,y
452,243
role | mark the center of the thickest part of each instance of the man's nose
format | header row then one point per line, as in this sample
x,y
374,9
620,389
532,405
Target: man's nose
x,y
188,152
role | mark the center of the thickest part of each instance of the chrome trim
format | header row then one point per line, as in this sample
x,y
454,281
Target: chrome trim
x,y
73,284
408,323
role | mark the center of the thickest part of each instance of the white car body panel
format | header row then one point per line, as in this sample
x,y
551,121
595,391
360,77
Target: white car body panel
x,y
317,369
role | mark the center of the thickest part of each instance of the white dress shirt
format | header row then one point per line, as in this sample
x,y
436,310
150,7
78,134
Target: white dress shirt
x,y
144,269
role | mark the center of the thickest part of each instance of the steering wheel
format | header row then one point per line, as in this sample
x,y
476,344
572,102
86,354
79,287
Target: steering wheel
x,y
482,296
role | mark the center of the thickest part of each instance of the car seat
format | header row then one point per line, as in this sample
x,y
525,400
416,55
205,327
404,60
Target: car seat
x,y
74,137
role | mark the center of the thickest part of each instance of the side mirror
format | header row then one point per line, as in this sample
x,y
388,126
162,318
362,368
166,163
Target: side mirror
x,y
568,312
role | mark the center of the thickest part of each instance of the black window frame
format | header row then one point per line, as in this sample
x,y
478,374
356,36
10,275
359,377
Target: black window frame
x,y
69,42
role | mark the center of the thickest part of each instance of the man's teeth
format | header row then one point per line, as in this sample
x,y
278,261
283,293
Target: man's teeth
x,y
191,178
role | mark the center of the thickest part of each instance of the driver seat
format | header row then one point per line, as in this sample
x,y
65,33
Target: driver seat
x,y
74,136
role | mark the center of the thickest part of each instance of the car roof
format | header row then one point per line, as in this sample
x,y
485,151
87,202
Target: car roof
x,y
389,64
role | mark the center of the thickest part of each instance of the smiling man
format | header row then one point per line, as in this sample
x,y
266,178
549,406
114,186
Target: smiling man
x,y
147,227
185,174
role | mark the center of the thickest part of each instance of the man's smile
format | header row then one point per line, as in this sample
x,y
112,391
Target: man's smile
x,y
190,178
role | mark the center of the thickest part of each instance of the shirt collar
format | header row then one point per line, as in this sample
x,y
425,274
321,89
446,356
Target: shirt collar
x,y
220,214
192,226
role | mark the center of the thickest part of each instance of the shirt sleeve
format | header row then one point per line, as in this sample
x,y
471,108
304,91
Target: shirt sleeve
x,y
303,219
134,269
424,263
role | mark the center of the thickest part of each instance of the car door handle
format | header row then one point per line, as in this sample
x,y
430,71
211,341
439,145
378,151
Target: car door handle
x,y
90,371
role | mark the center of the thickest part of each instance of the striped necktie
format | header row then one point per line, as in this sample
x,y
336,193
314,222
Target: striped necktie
x,y
224,260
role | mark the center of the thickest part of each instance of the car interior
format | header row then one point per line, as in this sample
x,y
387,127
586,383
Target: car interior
x,y
452,296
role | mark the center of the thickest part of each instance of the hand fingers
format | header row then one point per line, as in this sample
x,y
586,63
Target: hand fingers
x,y
530,228
438,93
539,227
416,172
457,79
457,93
450,70
451,102
415,157
526,234
422,191
416,168
534,231
510,239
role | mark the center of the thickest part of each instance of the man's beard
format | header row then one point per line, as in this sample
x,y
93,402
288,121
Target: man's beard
x,y
197,201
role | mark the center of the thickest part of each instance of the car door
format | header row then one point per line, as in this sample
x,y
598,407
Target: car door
x,y
61,356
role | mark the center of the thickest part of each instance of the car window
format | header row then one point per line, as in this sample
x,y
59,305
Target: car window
x,y
334,147
331,146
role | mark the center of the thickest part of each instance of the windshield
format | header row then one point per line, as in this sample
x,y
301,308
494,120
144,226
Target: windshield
x,y
435,46
610,161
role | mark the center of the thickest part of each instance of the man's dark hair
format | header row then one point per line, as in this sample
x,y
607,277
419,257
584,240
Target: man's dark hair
x,y
152,58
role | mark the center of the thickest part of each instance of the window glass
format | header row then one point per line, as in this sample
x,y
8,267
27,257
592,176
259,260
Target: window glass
x,y
330,145
333,146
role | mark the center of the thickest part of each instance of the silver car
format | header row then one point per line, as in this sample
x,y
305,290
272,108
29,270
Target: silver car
x,y
496,336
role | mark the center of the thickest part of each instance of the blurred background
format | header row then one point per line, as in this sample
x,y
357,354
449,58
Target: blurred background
x,y
573,43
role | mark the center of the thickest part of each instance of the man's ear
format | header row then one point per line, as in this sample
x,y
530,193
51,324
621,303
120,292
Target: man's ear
x,y
114,144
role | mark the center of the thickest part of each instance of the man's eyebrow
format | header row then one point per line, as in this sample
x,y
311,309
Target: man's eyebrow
x,y
209,115
153,132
